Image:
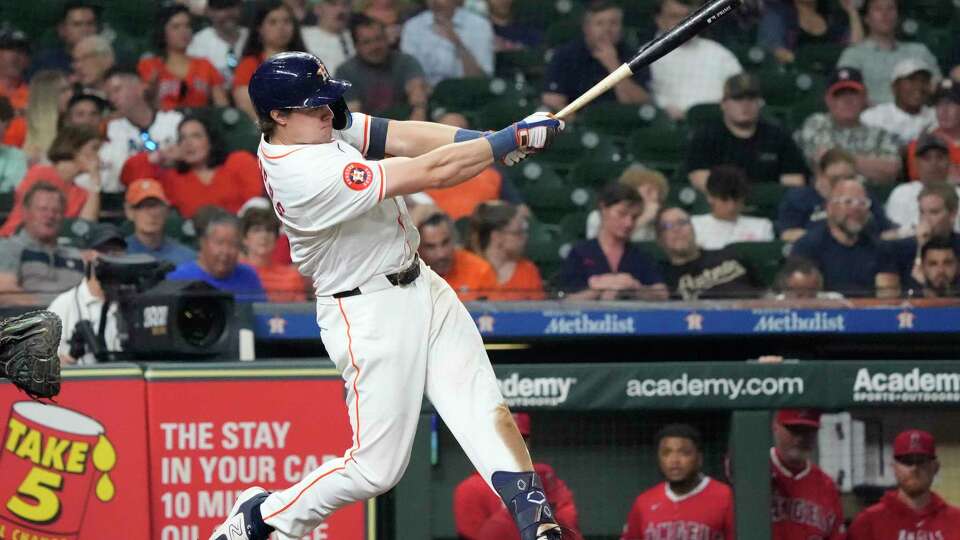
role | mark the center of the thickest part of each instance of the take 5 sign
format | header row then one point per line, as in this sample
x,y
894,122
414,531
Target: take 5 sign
x,y
71,469
163,454
219,430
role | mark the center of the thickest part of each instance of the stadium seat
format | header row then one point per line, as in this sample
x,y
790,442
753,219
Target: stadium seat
x,y
685,196
818,57
573,226
497,114
702,114
658,148
73,232
616,119
593,173
546,248
461,94
764,199
653,249
548,194
562,31
529,62
766,258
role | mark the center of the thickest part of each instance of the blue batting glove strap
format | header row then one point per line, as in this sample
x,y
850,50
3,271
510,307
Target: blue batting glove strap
x,y
504,141
467,135
541,121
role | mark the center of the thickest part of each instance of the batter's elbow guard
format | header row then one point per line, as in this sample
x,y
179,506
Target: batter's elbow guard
x,y
524,497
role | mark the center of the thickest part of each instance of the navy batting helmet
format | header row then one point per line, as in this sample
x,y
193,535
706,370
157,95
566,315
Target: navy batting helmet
x,y
297,80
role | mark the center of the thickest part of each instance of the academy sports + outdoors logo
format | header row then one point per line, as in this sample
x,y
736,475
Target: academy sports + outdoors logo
x,y
535,391
906,387
730,387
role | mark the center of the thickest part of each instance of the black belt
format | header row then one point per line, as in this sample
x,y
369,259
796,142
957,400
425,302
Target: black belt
x,y
403,277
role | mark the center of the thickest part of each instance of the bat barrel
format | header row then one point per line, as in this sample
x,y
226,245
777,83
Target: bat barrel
x,y
689,27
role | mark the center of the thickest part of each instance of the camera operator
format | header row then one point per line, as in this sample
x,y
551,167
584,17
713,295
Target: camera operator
x,y
83,304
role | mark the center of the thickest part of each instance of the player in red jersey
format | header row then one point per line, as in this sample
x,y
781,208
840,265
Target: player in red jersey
x,y
479,513
806,503
688,505
912,511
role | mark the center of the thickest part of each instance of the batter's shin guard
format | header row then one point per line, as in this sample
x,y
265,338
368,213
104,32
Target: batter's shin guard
x,y
523,494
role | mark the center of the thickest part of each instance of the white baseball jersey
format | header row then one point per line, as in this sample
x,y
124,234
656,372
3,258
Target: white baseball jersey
x,y
331,203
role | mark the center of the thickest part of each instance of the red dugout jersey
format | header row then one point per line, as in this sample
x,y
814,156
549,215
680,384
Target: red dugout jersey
x,y
891,519
474,504
706,513
806,505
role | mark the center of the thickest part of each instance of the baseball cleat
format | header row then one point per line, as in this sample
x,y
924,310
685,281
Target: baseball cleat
x,y
239,523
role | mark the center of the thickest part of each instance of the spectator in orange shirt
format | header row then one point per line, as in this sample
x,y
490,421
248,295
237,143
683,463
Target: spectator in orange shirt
x,y
460,200
72,153
260,228
498,233
197,171
14,59
274,30
469,275
179,80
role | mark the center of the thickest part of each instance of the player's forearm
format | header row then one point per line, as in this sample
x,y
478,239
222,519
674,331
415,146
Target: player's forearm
x,y
446,166
410,138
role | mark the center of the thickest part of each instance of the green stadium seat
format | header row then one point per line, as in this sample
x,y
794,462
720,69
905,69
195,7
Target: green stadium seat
x,y
497,114
764,199
73,232
785,87
753,57
545,247
461,94
766,258
548,194
653,249
529,62
618,119
595,173
818,58
702,114
573,226
687,197
562,31
658,148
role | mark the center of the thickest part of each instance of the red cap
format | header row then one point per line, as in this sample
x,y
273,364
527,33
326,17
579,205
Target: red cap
x,y
798,417
523,423
914,442
143,189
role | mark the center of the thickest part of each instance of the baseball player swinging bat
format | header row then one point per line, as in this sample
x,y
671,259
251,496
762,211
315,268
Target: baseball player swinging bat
x,y
708,14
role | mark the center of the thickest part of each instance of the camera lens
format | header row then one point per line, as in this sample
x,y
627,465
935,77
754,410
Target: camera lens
x,y
201,322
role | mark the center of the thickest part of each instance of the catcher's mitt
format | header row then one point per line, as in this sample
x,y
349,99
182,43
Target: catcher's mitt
x,y
28,353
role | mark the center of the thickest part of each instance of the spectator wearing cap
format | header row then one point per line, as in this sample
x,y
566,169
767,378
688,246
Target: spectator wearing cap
x,y
847,256
72,154
147,207
912,510
597,52
78,20
138,127
259,231
764,151
198,171
694,72
85,301
14,60
692,273
876,151
498,233
946,102
217,261
85,109
449,41
381,78
610,266
933,166
805,206
938,268
330,38
479,513
33,267
469,275
13,162
878,54
687,499
93,57
908,115
725,224
177,79
222,42
652,187
901,267
805,500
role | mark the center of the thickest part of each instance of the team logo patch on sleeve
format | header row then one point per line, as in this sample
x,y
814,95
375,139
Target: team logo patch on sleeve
x,y
357,176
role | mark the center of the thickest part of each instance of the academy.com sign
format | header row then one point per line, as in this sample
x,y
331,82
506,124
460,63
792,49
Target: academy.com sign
x,y
905,387
731,388
535,391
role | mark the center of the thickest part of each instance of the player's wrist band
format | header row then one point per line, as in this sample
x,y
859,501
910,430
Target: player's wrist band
x,y
503,142
466,135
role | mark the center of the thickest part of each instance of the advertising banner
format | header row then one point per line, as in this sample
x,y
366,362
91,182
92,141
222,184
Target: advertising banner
x,y
217,430
70,468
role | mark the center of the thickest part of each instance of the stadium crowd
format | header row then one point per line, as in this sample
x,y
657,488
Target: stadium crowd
x,y
808,148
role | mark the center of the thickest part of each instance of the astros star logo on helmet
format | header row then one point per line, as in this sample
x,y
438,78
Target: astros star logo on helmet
x,y
357,176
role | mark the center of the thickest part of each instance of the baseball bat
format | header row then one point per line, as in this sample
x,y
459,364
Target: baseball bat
x,y
655,49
